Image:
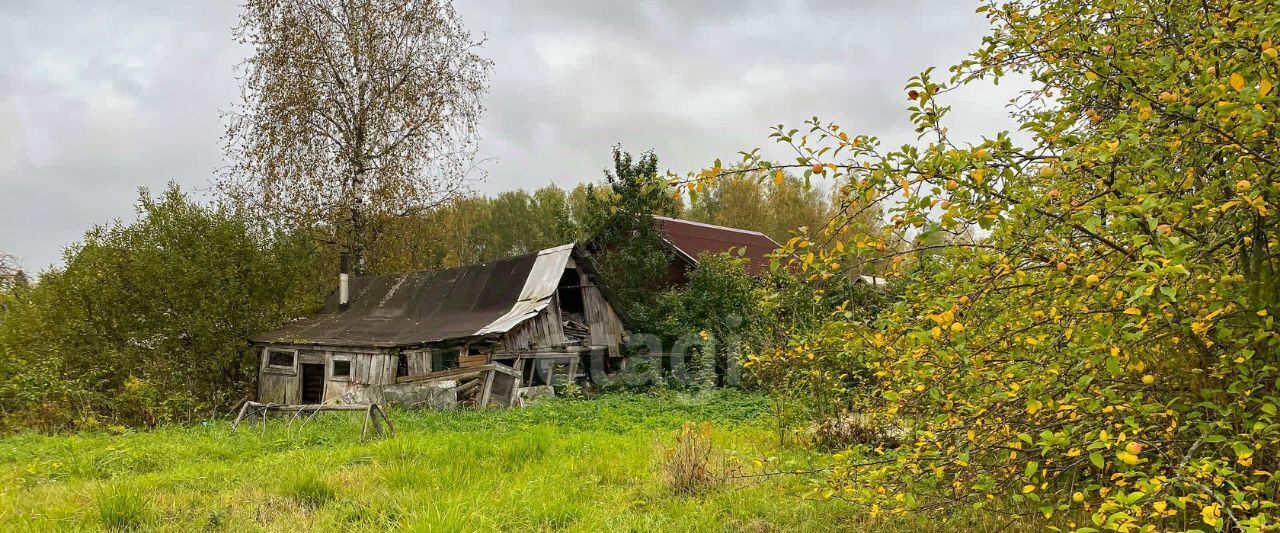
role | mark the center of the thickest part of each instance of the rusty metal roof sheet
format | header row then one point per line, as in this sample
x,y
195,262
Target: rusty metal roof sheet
x,y
691,239
430,306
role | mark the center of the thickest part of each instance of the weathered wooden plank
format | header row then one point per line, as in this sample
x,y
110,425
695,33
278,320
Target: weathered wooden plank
x,y
457,373
575,354
390,363
486,390
375,370
470,361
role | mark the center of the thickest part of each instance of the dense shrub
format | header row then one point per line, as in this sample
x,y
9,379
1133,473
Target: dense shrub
x,y
708,318
148,321
1094,337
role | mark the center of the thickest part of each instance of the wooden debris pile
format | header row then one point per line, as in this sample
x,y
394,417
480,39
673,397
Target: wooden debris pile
x,y
491,385
576,331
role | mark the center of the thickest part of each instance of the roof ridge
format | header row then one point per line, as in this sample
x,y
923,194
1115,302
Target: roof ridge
x,y
469,265
706,225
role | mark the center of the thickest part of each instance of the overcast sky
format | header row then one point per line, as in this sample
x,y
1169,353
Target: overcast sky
x,y
98,98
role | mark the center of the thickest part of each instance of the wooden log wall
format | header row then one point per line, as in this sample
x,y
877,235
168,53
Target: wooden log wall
x,y
419,361
284,385
605,326
538,333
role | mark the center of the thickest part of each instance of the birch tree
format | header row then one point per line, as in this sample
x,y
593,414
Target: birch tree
x,y
353,113
10,271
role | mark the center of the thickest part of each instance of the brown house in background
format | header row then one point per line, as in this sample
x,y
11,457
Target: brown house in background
x,y
688,240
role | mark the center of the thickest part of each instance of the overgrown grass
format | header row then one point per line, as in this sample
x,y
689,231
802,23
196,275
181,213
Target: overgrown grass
x,y
571,465
121,507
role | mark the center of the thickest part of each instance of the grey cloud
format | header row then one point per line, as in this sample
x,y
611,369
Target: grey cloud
x,y
700,80
100,98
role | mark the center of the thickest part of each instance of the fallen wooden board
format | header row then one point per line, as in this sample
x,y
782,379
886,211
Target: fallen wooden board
x,y
540,355
457,373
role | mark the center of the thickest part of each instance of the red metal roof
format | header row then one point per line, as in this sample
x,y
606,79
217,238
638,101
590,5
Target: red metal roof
x,y
692,239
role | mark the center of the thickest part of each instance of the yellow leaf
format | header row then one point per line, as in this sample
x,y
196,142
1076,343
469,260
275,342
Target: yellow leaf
x,y
1210,514
777,178
1264,87
1237,82
1133,311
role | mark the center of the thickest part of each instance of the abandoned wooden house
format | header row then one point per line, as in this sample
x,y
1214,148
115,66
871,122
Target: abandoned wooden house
x,y
689,240
536,319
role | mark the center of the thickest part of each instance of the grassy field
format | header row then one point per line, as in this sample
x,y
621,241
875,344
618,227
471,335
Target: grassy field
x,y
573,465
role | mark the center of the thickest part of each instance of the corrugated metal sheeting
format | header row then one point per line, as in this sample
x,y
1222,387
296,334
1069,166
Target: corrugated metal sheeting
x,y
539,286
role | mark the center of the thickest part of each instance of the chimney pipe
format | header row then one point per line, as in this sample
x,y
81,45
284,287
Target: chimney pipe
x,y
344,294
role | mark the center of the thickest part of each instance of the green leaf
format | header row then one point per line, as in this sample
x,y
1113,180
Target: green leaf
x,y
1113,366
1096,459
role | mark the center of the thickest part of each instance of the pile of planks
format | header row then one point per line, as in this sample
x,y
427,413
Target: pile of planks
x,y
491,385
576,333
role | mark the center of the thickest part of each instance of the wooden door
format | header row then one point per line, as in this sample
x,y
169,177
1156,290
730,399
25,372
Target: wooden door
x,y
312,383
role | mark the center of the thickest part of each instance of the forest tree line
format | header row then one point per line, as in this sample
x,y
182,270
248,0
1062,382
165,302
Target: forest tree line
x,y
145,321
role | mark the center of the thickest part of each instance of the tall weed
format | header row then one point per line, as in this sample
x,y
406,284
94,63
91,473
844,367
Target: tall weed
x,y
121,507
692,464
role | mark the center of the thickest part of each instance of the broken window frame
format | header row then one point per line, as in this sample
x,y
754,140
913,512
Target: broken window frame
x,y
333,368
293,361
441,357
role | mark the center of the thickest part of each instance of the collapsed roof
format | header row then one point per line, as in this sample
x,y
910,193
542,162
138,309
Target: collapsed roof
x,y
418,308
691,239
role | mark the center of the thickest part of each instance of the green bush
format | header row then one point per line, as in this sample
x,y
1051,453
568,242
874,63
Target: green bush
x,y
147,321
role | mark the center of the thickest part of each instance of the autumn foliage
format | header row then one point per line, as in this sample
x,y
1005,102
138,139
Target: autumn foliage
x,y
1086,329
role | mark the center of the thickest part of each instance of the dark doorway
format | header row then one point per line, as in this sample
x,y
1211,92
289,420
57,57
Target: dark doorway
x,y
312,383
570,292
